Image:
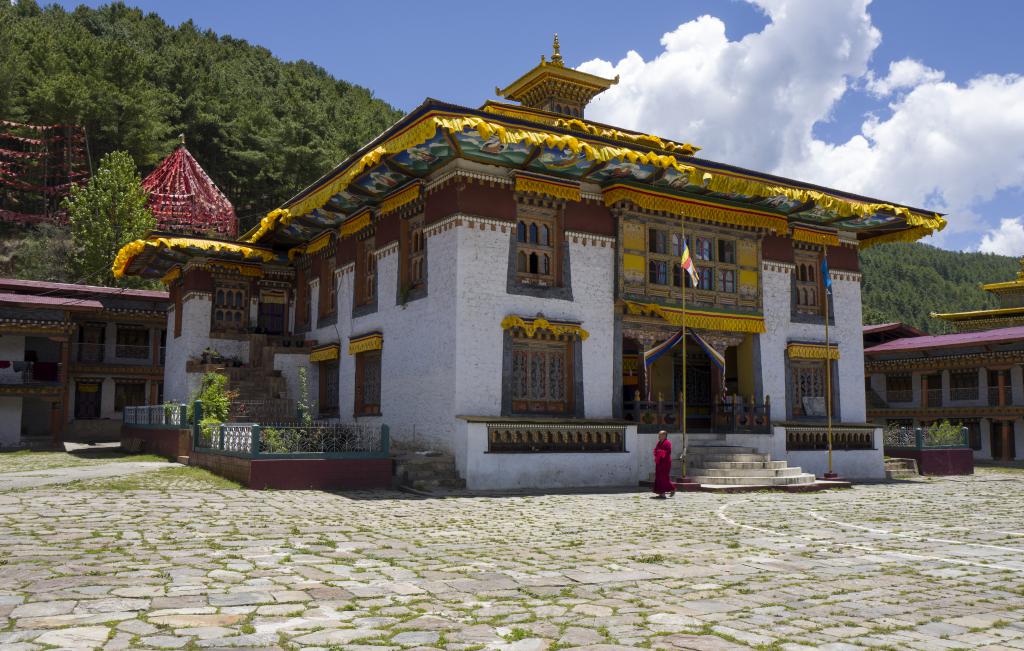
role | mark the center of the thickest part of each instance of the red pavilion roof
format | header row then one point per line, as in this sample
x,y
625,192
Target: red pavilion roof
x,y
184,199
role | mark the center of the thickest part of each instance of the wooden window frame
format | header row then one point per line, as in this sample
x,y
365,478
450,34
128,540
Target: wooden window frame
x,y
365,362
327,303
328,398
664,249
525,350
413,247
795,394
230,298
121,400
807,279
528,236
365,273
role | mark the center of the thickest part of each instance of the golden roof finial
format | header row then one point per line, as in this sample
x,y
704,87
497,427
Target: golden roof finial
x,y
556,55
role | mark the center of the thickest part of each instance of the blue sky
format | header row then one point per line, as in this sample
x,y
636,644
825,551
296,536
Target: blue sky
x,y
801,79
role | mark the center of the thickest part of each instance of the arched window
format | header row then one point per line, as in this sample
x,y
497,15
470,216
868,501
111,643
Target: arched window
x,y
220,297
810,273
522,265
533,233
803,273
533,263
521,232
545,236
546,268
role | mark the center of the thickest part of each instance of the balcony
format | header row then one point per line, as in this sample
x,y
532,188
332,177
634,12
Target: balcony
x,y
963,393
90,353
14,373
934,397
899,395
994,396
132,352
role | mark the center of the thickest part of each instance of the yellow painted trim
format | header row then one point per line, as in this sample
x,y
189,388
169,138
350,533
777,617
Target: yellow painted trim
x,y
326,353
574,124
172,275
131,250
801,234
396,200
653,200
977,314
366,343
812,351
532,326
699,319
911,235
567,191
243,269
318,244
1005,285
356,224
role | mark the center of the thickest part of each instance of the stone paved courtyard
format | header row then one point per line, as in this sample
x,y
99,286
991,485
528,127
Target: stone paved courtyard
x,y
173,558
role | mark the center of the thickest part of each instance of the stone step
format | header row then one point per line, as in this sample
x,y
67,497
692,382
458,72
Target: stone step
x,y
720,449
901,474
802,478
753,457
753,472
901,464
740,465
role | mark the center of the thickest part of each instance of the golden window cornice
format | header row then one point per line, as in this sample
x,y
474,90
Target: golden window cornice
x,y
532,326
326,353
698,318
806,350
365,343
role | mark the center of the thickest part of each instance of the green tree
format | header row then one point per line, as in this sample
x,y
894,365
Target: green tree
x,y
105,214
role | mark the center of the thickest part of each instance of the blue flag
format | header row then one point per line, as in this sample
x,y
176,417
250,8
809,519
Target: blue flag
x,y
825,277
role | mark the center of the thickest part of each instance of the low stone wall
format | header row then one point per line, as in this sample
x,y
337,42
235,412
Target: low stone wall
x,y
484,470
320,474
298,474
938,461
233,468
165,441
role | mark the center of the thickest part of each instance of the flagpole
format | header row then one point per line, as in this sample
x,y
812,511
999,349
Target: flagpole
x,y
682,276
828,371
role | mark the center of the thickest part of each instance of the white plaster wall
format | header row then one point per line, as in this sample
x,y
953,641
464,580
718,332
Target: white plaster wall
x,y
780,330
483,302
179,386
12,349
10,413
289,366
554,470
848,464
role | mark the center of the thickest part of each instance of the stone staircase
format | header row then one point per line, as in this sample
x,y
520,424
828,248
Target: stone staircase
x,y
901,469
426,470
734,466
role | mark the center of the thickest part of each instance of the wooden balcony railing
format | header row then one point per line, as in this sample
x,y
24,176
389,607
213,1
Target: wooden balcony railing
x,y
735,415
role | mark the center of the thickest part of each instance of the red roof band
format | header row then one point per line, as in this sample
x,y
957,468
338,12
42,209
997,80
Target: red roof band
x,y
908,344
185,200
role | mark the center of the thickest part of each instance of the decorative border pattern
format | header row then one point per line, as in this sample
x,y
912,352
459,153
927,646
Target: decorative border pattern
x,y
801,350
778,267
753,323
364,343
543,185
401,197
814,236
579,237
531,326
326,353
694,208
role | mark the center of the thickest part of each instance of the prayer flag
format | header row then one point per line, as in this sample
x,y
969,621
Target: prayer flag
x,y
825,277
686,262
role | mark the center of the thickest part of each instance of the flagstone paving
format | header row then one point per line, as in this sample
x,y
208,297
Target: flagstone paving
x,y
186,564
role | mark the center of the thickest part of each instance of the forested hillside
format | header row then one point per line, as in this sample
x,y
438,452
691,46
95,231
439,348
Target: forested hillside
x,y
261,127
905,282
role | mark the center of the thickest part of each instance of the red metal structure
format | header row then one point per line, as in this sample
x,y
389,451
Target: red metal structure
x,y
185,200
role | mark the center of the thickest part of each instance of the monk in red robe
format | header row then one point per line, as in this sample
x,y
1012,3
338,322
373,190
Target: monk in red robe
x,y
663,466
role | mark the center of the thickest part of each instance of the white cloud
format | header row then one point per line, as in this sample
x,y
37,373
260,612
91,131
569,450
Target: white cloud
x,y
754,102
905,73
1008,239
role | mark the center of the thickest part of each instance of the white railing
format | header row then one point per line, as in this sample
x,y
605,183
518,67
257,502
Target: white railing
x,y
149,415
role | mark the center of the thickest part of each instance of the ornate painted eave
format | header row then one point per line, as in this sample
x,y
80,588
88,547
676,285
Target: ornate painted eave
x,y
158,255
532,326
699,319
576,151
365,343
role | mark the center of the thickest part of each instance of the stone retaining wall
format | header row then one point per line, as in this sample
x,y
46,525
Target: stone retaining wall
x,y
164,441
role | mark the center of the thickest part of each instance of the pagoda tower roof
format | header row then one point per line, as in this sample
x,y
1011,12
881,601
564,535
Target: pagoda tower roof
x,y
185,200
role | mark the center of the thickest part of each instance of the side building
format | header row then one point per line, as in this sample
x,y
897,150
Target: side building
x,y
72,356
973,376
487,281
